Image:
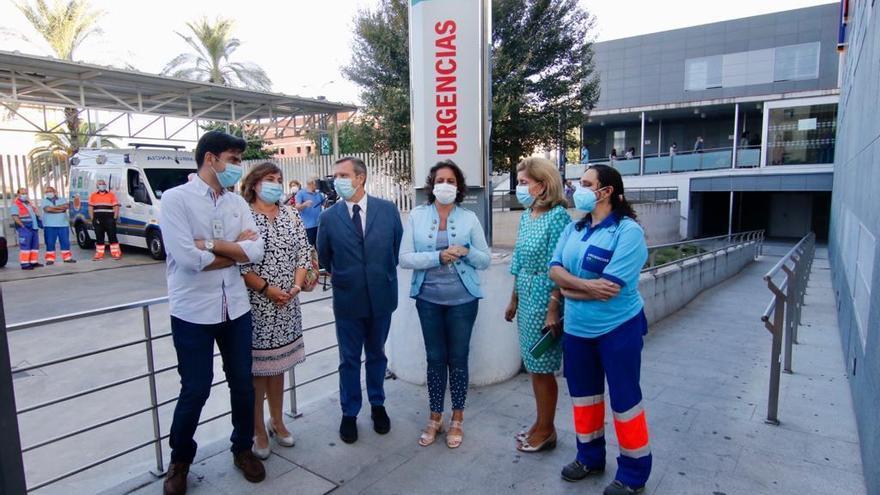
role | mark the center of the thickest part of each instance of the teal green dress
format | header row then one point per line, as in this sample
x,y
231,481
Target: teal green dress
x,y
535,243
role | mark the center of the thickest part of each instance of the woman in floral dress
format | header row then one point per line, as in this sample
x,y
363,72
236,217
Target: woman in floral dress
x,y
536,302
274,287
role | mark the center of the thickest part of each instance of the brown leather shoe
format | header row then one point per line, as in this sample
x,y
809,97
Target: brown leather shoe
x,y
251,466
175,480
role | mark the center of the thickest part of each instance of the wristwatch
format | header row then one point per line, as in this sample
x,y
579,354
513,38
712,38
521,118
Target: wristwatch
x,y
209,245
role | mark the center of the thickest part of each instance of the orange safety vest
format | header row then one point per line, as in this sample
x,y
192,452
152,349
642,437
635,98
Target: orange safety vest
x,y
103,202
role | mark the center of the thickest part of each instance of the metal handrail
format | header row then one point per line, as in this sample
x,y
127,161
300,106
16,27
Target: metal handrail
x,y
150,375
782,317
752,236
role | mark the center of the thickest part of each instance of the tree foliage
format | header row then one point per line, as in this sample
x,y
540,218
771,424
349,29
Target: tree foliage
x,y
63,26
212,46
543,81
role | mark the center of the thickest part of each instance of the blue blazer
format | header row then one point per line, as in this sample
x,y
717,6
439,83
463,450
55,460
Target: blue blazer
x,y
364,271
418,251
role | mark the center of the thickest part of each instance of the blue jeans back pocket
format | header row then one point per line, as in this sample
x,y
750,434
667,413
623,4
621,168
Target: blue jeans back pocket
x,y
596,259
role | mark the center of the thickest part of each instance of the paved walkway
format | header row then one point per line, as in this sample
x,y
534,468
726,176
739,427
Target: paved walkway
x,y
705,377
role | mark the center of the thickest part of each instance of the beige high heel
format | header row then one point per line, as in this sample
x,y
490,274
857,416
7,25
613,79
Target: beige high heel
x,y
429,435
453,441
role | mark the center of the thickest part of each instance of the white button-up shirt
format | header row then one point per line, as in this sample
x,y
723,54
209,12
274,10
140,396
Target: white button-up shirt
x,y
189,212
363,204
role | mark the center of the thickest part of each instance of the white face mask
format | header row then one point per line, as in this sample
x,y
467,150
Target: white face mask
x,y
445,193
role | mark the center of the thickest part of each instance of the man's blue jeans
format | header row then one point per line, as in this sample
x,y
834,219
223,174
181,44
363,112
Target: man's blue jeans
x,y
194,344
447,332
357,336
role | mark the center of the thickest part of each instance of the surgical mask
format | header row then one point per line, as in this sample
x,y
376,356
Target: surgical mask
x,y
294,189
344,187
23,197
270,192
524,196
585,199
50,195
102,187
229,176
445,193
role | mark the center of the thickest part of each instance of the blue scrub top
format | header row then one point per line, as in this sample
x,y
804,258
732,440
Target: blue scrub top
x,y
614,250
310,215
54,219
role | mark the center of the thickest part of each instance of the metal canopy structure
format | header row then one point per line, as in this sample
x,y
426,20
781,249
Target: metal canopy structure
x,y
41,82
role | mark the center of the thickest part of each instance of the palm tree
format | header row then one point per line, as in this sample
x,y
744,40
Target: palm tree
x,y
64,26
50,158
212,46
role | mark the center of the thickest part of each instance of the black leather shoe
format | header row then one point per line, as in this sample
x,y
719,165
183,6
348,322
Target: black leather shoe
x,y
381,421
575,471
348,429
618,488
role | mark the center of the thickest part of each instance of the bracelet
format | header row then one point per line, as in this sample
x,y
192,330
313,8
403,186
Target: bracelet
x,y
298,288
265,287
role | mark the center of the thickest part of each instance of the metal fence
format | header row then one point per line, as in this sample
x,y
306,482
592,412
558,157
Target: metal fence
x,y
149,377
696,248
783,315
388,174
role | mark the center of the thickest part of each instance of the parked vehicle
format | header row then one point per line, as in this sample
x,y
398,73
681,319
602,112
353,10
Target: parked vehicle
x,y
138,176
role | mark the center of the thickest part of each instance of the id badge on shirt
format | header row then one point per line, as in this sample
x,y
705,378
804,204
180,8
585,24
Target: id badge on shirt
x,y
217,228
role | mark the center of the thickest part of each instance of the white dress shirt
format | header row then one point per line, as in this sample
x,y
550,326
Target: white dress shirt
x,y
190,212
363,204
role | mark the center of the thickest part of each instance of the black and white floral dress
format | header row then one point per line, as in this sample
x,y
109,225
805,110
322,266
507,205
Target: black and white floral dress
x,y
278,342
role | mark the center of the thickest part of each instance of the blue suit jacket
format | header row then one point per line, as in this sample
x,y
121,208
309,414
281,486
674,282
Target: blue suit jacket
x,y
364,271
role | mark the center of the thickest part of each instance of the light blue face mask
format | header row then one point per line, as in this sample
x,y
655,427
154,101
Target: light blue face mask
x,y
585,199
523,196
270,192
229,177
344,187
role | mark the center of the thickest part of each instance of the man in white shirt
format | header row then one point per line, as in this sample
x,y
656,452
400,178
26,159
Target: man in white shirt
x,y
207,232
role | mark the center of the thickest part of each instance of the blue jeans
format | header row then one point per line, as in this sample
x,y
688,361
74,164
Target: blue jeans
x,y
357,336
194,344
447,331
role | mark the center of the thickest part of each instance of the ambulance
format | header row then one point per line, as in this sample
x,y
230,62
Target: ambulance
x,y
138,176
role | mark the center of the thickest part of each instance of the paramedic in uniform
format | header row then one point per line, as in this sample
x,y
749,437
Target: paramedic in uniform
x,y
104,212
596,264
207,232
27,226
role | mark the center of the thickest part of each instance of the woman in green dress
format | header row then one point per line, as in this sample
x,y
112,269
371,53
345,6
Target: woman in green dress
x,y
536,302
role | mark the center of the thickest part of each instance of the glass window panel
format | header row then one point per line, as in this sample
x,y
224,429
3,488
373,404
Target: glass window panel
x,y
795,139
796,62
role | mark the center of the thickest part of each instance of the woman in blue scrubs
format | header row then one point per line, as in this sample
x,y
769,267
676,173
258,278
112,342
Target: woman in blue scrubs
x,y
596,264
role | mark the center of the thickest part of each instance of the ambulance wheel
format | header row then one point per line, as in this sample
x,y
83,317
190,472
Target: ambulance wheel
x,y
155,245
82,237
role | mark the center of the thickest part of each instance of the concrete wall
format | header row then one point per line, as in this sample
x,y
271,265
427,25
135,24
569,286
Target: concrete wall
x,y
650,69
495,353
855,226
668,289
660,221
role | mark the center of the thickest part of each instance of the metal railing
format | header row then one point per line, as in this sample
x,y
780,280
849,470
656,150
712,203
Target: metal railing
x,y
651,194
702,247
783,315
150,376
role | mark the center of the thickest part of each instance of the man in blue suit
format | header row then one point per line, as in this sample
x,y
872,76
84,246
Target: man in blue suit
x,y
358,243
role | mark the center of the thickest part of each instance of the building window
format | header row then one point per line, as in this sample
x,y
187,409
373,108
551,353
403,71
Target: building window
x,y
620,143
784,63
308,150
703,73
796,62
299,150
282,151
802,135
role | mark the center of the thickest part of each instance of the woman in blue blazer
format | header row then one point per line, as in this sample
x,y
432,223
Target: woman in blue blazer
x,y
444,245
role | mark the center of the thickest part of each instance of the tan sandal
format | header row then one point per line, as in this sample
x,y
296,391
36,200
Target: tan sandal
x,y
430,432
453,441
